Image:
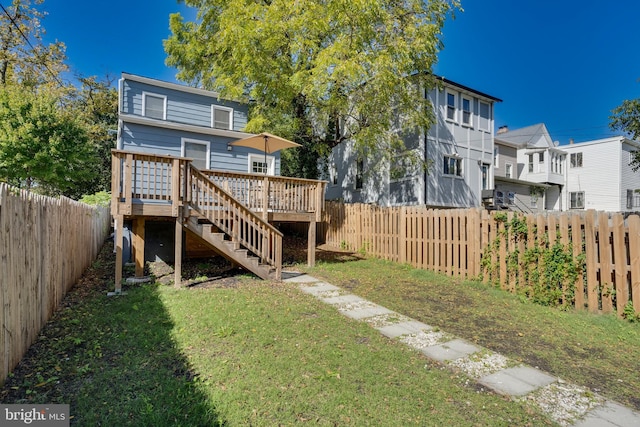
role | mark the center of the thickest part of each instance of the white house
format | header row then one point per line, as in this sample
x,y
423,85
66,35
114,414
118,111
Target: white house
x,y
458,150
599,175
529,169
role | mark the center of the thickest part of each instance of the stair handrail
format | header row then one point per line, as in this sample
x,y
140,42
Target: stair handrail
x,y
233,218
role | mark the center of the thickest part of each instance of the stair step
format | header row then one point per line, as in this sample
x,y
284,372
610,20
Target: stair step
x,y
233,245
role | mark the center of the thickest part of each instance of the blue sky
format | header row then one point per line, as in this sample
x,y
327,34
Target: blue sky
x,y
566,63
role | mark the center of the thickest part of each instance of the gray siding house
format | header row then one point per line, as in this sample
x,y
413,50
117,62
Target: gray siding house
x,y
458,150
180,185
529,170
166,118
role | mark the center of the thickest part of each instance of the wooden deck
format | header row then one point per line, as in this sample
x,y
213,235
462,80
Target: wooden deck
x,y
239,206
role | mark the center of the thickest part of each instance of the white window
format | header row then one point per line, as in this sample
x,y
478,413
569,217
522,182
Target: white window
x,y
576,160
467,115
508,170
629,199
221,117
452,166
259,164
534,200
576,200
198,151
451,106
541,162
495,157
530,163
154,106
485,119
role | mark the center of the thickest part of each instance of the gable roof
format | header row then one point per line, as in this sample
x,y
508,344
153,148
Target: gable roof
x,y
526,137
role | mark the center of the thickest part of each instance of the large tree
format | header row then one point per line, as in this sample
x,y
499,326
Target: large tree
x,y
626,118
316,71
41,146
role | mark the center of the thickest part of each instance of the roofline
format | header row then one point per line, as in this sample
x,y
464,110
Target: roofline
x,y
174,86
467,88
619,138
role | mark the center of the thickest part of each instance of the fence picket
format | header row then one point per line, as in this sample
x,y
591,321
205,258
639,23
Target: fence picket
x,y
453,242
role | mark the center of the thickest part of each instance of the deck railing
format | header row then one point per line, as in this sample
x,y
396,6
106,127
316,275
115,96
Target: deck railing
x,y
277,193
145,178
233,218
150,178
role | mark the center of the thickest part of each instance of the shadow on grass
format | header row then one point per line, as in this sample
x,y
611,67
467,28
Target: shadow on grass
x,y
113,359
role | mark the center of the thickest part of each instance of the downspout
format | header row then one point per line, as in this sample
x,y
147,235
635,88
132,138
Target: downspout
x,y
120,102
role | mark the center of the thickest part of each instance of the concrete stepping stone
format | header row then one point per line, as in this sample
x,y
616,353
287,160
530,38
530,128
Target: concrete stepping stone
x,y
403,328
517,381
318,288
450,350
304,278
611,414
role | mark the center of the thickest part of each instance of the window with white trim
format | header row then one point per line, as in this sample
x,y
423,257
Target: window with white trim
x,y
485,176
198,151
333,174
508,170
485,118
541,161
576,160
495,157
452,166
221,117
154,106
259,164
530,163
467,115
534,200
451,106
576,200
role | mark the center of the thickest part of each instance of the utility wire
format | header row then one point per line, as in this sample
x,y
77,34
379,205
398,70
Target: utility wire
x,y
33,49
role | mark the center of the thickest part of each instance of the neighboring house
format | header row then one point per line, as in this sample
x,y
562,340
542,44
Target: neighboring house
x,y
600,176
176,176
457,149
529,170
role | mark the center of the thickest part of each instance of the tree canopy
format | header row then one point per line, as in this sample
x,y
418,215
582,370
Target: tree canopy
x,y
53,135
316,71
626,118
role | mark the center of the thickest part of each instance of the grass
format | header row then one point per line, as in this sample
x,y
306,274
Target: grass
x,y
256,353
597,351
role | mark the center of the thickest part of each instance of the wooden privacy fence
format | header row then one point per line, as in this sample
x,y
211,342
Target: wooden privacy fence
x,y
597,253
45,245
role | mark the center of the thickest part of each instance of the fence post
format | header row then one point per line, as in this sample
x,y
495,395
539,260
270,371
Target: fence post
x,y
634,259
592,260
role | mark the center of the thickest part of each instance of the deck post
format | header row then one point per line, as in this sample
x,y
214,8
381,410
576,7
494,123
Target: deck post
x,y
138,244
119,224
265,199
177,280
311,245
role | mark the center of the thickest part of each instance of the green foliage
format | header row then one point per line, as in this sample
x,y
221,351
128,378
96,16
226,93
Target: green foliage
x,y
101,198
629,313
543,273
626,118
41,146
319,72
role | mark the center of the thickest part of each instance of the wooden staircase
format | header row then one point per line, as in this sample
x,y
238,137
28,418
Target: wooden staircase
x,y
230,212
231,250
231,228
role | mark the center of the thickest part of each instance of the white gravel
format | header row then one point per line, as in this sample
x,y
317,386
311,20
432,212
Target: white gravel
x,y
424,339
480,364
358,305
563,402
383,320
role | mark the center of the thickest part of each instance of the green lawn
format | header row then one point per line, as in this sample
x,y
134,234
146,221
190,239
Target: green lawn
x,y
254,353
597,351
